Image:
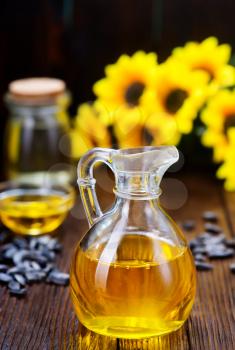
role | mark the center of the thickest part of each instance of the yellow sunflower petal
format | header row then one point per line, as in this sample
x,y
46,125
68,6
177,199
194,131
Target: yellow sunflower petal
x,y
226,170
163,130
89,130
227,75
210,57
219,118
80,144
210,43
224,53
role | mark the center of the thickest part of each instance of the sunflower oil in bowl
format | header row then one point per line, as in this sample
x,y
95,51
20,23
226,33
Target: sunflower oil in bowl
x,y
137,295
34,211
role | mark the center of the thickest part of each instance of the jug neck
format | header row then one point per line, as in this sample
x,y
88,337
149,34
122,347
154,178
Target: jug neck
x,y
138,173
137,185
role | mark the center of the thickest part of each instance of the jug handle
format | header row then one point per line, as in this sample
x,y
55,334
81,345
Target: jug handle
x,y
86,181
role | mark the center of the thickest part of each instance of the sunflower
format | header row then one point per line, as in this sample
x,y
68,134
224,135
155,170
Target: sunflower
x,y
126,81
226,170
219,117
128,128
210,58
135,128
89,131
174,98
161,130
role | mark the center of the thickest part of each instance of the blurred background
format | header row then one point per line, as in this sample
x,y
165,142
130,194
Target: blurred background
x,y
75,39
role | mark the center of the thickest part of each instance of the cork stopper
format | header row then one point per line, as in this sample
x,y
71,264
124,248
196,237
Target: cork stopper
x,y
36,90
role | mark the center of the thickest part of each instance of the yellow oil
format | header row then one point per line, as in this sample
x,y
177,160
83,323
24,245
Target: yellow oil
x,y
148,289
34,212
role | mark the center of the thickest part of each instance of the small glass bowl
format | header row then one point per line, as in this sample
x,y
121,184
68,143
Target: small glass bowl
x,y
32,209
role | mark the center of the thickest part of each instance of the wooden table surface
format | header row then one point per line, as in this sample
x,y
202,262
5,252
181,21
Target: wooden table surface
x,y
45,318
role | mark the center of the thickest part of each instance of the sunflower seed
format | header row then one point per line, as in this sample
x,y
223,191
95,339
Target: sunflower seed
x,y
230,243
7,246
18,292
49,267
38,257
200,257
218,247
3,268
52,244
31,265
35,276
20,243
188,225
203,266
5,278
232,267
210,216
20,279
35,266
15,269
194,243
44,240
200,250
32,277
30,261
213,240
15,288
221,254
58,278
33,243
212,228
204,236
20,256
13,285
9,253
58,247
50,255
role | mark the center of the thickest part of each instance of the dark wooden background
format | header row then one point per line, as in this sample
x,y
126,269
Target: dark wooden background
x,y
75,39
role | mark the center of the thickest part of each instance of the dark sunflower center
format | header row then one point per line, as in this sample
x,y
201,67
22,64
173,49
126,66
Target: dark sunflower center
x,y
114,139
147,137
229,122
175,100
134,92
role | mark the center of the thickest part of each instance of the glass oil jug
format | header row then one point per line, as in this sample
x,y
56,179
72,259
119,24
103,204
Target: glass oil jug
x,y
132,274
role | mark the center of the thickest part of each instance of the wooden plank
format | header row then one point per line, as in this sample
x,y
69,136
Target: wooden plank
x,y
211,325
228,199
45,319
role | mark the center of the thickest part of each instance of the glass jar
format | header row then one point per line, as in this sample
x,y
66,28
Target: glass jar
x,y
34,130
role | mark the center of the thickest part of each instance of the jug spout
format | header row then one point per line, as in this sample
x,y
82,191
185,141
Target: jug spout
x,y
139,170
138,173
